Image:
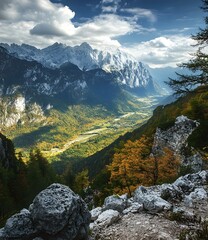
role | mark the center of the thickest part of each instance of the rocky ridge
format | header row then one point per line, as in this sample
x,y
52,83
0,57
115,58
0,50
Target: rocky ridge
x,y
128,70
175,138
153,213
157,212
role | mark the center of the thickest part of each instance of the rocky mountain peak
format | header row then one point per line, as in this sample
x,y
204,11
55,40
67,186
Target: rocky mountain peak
x,y
86,46
176,136
128,71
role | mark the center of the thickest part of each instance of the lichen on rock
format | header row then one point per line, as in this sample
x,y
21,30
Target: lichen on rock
x,y
56,213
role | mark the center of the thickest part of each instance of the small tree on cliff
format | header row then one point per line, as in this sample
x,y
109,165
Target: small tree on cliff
x,y
198,65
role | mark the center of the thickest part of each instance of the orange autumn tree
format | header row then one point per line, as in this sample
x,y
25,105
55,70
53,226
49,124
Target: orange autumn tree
x,y
134,166
128,166
164,167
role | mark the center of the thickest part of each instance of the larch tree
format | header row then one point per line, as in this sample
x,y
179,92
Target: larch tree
x,y
163,167
128,168
198,65
134,165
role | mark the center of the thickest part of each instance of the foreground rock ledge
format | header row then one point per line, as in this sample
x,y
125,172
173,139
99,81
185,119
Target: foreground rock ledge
x,y
57,213
158,212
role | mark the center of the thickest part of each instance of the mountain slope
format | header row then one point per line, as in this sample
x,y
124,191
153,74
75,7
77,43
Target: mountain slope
x,y
40,104
125,68
48,87
194,106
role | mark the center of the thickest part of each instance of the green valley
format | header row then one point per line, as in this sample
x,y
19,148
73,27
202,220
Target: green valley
x,y
79,130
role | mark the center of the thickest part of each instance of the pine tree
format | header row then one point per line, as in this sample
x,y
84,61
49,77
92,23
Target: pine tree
x,y
198,65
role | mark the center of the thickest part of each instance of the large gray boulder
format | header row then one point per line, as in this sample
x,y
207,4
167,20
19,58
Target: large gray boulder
x,y
171,192
107,218
115,202
19,225
57,213
189,182
151,200
95,213
198,195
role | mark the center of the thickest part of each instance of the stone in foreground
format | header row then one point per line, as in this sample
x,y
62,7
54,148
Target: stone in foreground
x,y
56,213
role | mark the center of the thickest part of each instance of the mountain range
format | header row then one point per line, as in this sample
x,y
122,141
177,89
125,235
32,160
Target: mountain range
x,y
126,69
60,75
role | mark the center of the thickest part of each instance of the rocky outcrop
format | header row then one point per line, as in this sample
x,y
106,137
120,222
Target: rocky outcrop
x,y
115,202
17,111
175,138
151,202
180,199
56,213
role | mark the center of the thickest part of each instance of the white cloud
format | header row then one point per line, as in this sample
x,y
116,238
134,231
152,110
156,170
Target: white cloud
x,y
110,6
107,1
41,23
140,13
164,51
21,18
109,9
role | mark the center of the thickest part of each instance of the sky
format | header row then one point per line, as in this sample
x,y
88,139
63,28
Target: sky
x,y
156,32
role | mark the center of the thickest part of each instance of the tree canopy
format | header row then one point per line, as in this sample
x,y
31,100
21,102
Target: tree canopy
x,y
198,65
134,165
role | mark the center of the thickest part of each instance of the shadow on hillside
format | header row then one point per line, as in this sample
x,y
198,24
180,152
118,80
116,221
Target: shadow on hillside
x,y
28,139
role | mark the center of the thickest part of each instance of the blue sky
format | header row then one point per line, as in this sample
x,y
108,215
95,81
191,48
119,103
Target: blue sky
x,y
156,32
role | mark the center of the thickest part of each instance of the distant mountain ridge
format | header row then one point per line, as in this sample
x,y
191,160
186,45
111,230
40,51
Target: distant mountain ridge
x,y
28,89
127,70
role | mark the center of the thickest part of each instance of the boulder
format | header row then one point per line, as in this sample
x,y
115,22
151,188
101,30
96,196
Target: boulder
x,y
189,182
197,195
170,192
107,218
58,208
135,207
95,213
115,202
18,226
57,213
150,200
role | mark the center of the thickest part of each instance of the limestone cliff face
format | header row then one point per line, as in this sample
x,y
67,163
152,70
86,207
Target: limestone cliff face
x,y
175,138
15,110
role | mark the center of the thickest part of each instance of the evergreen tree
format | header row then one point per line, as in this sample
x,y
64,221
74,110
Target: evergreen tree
x,y
198,65
40,173
81,182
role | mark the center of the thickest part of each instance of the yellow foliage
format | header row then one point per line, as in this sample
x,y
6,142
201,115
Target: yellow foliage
x,y
134,166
